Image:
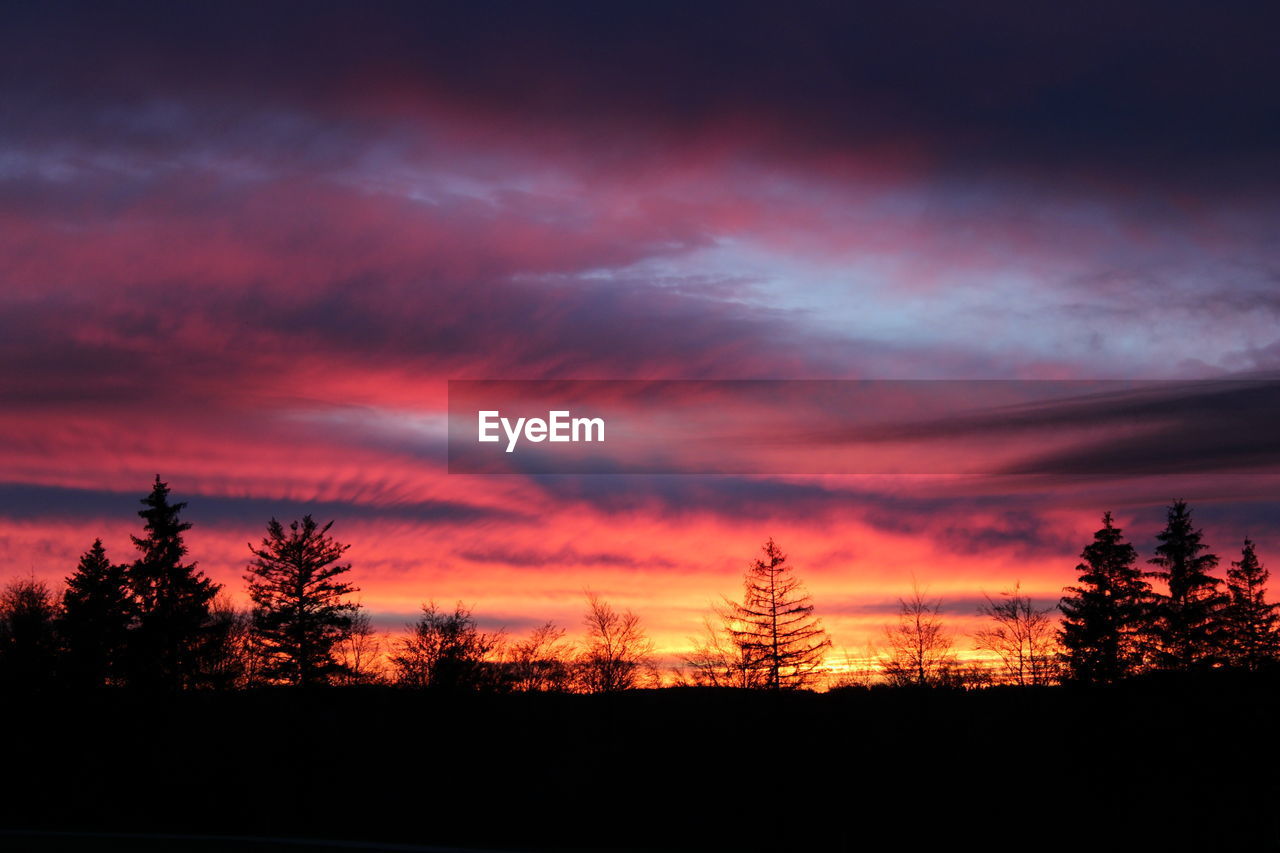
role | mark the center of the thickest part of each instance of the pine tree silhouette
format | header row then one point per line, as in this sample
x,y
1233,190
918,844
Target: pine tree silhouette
x,y
774,626
1101,631
172,599
97,613
1187,619
300,614
1249,621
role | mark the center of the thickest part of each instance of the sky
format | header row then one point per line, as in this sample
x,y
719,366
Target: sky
x,y
246,248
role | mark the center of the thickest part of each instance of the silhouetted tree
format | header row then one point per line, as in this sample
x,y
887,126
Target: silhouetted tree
x,y
1105,616
97,613
1022,635
228,657
300,613
360,652
616,653
920,649
28,639
774,627
447,651
541,663
172,599
1249,621
1186,620
717,660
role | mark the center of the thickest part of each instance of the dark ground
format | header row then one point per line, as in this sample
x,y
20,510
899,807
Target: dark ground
x,y
1178,765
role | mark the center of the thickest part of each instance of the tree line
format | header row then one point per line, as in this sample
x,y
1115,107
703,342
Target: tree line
x,y
1118,624
1118,621
158,622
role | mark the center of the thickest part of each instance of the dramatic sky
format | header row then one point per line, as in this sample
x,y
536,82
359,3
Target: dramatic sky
x,y
246,247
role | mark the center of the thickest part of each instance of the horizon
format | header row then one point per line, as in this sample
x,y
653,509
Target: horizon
x,y
865,620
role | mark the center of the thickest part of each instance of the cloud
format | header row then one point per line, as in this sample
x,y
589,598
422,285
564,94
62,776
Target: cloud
x,y
247,246
1095,84
1148,428
26,501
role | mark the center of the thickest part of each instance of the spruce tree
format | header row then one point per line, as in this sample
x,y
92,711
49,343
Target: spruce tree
x,y
171,596
774,627
1104,616
1187,618
300,614
1249,621
97,613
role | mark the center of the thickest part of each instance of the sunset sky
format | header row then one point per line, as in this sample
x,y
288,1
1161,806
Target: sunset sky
x,y
247,248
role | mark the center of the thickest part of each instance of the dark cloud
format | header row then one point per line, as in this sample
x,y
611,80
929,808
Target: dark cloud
x,y
26,501
1208,426
954,605
913,513
976,427
563,557
1186,90
1147,427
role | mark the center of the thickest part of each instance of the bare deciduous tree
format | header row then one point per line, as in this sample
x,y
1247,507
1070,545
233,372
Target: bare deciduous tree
x,y
617,652
715,660
229,657
920,650
447,651
28,639
541,663
1022,635
361,653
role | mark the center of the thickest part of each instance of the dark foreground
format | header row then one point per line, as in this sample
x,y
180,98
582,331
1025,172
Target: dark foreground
x,y
1186,765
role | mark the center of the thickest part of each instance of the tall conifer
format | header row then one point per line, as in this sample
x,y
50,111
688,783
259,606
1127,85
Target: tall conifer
x,y
1105,614
97,613
1249,620
1187,620
172,598
300,611
774,626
